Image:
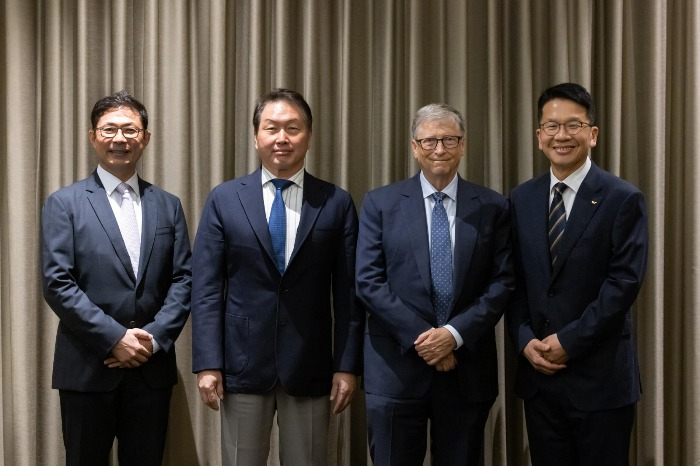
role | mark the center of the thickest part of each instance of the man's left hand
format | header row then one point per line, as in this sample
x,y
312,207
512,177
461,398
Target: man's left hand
x,y
435,344
344,386
556,354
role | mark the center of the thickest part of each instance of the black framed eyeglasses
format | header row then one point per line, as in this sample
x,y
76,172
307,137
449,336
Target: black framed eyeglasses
x,y
130,132
551,128
448,142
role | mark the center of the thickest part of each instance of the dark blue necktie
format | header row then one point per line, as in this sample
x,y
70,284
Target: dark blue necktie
x,y
278,222
557,221
440,260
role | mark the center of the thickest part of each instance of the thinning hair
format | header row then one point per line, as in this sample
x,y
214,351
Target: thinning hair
x,y
432,112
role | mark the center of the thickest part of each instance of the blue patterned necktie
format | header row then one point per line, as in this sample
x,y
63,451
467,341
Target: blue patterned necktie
x,y
440,260
129,228
278,222
557,221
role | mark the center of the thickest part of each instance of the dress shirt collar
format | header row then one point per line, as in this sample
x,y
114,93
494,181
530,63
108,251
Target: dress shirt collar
x,y
573,181
428,189
297,178
110,182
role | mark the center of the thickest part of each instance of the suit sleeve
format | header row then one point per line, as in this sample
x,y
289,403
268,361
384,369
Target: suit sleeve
x,y
348,313
61,290
517,316
172,316
482,315
627,265
397,318
208,287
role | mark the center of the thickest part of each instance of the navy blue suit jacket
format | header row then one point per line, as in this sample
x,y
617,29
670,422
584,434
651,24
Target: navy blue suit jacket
x,y
393,281
89,283
586,300
257,326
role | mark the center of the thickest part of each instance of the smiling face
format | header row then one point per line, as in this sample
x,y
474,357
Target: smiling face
x,y
566,152
119,155
282,139
438,165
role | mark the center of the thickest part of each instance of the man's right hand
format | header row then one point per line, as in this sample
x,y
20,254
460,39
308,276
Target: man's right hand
x,y
534,352
134,349
211,388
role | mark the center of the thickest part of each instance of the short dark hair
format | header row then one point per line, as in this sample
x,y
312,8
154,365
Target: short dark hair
x,y
568,91
287,95
120,99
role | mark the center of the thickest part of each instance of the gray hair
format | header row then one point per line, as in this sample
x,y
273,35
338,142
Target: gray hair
x,y
433,112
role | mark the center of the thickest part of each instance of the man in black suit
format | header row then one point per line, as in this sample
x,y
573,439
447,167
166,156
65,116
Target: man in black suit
x,y
116,271
434,270
580,238
274,249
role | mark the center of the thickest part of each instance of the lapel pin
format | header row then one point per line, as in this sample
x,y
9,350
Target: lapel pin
x,y
594,202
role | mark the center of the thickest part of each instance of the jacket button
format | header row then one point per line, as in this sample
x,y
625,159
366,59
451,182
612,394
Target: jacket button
x,y
132,324
546,323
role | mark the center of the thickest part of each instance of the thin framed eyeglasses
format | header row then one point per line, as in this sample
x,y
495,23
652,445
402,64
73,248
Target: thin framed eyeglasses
x,y
130,132
448,142
551,128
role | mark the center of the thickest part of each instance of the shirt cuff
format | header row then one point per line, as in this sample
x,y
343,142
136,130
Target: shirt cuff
x,y
156,346
455,333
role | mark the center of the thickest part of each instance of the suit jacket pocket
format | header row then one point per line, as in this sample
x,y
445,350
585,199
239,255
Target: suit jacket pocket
x,y
235,344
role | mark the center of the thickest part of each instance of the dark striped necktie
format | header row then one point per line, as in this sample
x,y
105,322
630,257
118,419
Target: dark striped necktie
x,y
557,221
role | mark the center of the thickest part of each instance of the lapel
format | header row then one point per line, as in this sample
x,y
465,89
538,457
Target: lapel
x,y
588,198
466,230
536,218
413,209
313,201
149,220
97,197
251,199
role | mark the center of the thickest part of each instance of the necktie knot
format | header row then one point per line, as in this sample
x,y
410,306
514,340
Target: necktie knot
x,y
438,196
123,189
281,184
560,188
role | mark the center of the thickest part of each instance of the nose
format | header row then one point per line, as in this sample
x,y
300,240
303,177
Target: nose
x,y
439,147
562,133
282,136
119,136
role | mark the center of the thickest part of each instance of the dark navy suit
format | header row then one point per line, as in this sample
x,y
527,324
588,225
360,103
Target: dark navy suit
x,y
586,299
89,283
260,327
394,282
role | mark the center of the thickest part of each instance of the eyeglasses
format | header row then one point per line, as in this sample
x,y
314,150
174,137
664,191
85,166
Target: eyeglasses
x,y
551,128
448,142
129,132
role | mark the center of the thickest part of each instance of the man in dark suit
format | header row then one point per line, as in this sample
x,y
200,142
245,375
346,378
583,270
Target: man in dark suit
x,y
116,271
273,250
580,241
435,274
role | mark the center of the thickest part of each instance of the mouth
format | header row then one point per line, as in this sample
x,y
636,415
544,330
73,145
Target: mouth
x,y
564,150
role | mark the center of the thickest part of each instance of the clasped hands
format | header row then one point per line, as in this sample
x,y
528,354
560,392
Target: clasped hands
x,y
134,349
546,356
436,347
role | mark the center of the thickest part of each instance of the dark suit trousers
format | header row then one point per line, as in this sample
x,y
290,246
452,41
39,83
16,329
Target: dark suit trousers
x,y
397,427
134,413
561,434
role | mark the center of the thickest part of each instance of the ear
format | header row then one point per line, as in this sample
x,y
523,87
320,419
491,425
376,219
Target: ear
x,y
538,132
594,136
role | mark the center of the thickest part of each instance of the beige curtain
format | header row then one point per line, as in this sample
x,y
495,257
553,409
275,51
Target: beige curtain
x,y
365,66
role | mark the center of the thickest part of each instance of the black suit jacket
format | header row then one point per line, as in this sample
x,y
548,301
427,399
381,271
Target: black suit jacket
x,y
258,326
393,281
89,283
586,300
